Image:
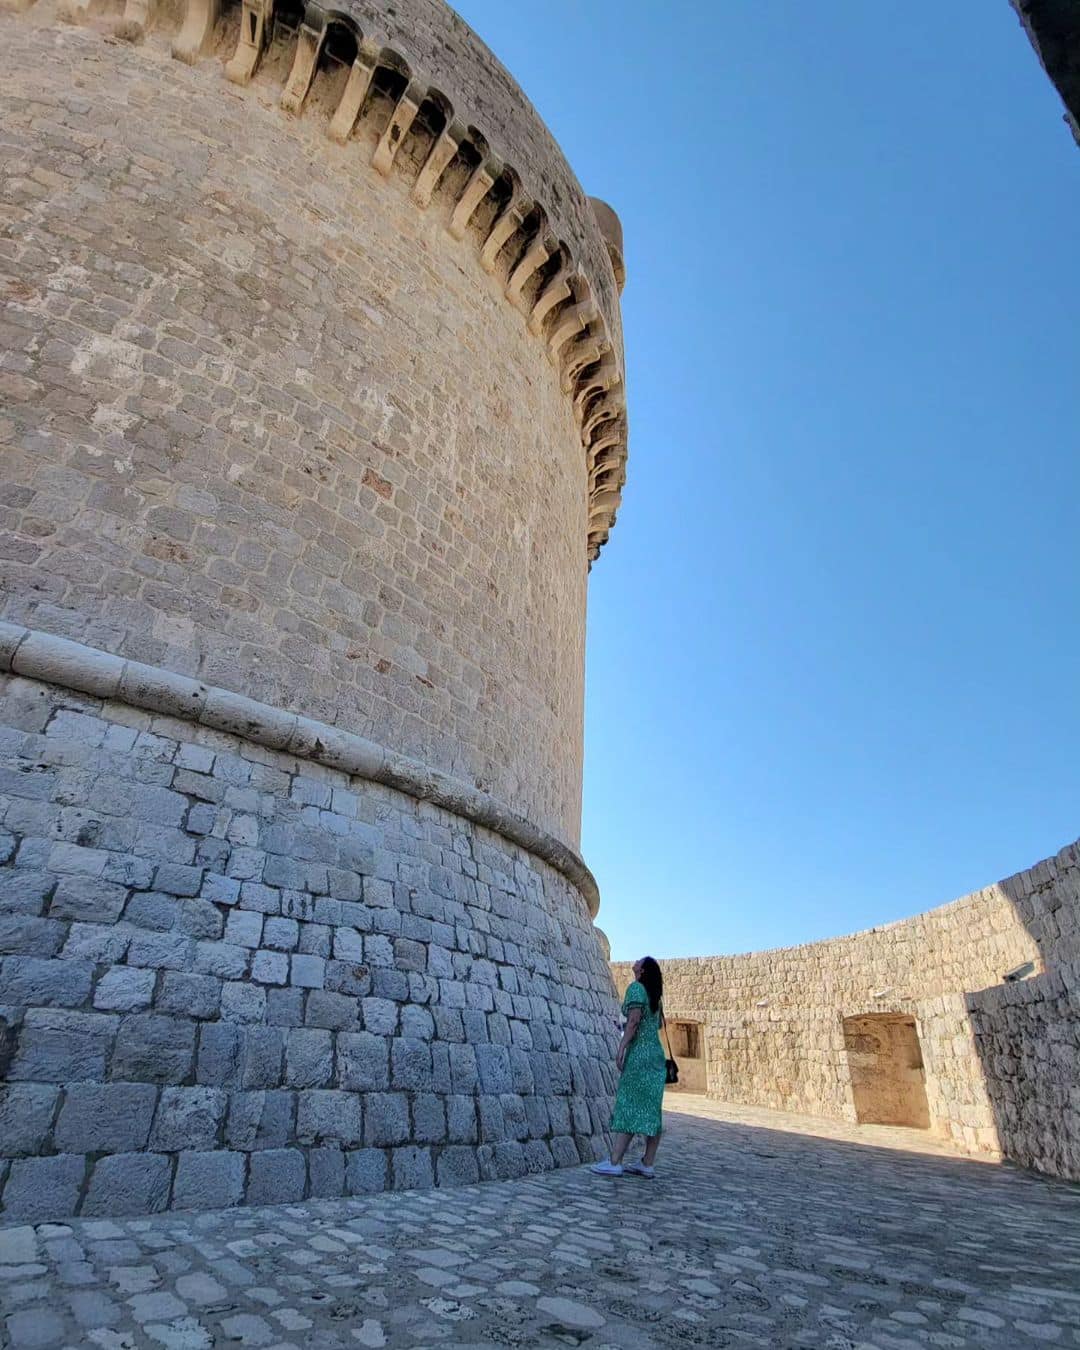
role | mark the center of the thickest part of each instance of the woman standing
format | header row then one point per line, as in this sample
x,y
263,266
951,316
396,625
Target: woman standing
x,y
643,1069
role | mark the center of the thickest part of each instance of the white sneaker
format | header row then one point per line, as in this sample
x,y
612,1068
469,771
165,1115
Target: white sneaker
x,y
607,1168
639,1169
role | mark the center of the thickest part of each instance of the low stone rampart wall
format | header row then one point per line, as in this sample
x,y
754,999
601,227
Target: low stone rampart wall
x,y
1001,1058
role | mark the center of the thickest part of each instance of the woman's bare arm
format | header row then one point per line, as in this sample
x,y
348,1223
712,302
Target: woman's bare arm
x,y
633,1021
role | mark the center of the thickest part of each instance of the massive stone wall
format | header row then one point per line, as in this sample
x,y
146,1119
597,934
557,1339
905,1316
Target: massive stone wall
x,y
227,973
272,426
311,424
1001,1060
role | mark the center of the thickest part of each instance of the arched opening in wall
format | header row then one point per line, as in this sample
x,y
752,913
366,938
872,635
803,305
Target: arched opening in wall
x,y
888,1082
687,1042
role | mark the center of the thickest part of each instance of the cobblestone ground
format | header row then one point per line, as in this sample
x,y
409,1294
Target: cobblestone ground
x,y
756,1234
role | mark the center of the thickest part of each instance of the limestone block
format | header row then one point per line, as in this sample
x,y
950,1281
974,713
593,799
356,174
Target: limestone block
x,y
276,1176
309,1059
153,1049
270,967
325,1115
91,900
188,1118
380,1016
412,1169
209,1180
39,982
410,1064
309,972
26,1116
386,1118
336,1012
326,1172
242,1002
63,1047
365,1171
43,1188
263,1049
363,1061
457,1166
105,1117
128,1183
187,995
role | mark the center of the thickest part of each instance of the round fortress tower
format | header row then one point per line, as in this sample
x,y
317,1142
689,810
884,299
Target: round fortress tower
x,y
312,424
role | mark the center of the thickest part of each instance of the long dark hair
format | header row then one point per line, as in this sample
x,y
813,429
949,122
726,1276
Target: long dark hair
x,y
652,981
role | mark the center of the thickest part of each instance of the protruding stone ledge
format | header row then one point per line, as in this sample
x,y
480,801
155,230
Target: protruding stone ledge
x,y
55,660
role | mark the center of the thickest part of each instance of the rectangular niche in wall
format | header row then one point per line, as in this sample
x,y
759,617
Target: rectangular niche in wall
x,y
688,1047
887,1077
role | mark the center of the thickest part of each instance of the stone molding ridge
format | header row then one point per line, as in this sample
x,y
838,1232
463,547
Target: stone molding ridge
x,y
38,655
486,196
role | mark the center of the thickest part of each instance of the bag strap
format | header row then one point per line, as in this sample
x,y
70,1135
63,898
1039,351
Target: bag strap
x,y
663,1028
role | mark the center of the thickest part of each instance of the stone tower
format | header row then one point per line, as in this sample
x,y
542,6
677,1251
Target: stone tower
x,y
312,424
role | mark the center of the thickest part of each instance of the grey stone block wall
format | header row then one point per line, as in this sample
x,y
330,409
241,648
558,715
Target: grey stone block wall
x,y
215,991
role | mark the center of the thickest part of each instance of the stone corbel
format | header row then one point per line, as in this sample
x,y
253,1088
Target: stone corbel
x,y
582,355
254,21
605,411
509,221
604,378
476,189
309,42
440,155
567,323
559,288
355,92
193,39
137,16
535,256
401,119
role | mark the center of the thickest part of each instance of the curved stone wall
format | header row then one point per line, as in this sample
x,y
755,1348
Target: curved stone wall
x,y
229,974
1000,1057
272,425
311,424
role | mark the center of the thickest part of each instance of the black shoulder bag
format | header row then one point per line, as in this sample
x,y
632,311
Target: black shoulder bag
x,y
671,1067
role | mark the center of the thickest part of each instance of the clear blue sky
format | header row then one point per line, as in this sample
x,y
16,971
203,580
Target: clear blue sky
x,y
834,642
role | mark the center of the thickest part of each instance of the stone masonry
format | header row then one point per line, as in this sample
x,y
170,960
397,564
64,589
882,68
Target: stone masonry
x,y
991,981
312,422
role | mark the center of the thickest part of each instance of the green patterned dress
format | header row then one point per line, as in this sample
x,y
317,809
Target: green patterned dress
x,y
640,1096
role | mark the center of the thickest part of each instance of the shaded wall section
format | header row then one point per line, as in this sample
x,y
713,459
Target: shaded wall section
x,y
1001,1055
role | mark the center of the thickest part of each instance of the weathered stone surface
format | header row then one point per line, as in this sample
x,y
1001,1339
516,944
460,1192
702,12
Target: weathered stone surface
x,y
325,1115
63,1047
37,982
43,1188
105,1117
209,1180
276,1176
309,1060
153,1049
386,1118
366,1171
363,1061
26,1116
129,1183
188,1118
125,989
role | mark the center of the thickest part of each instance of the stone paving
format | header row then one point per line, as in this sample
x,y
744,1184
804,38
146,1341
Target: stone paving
x,y
757,1233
